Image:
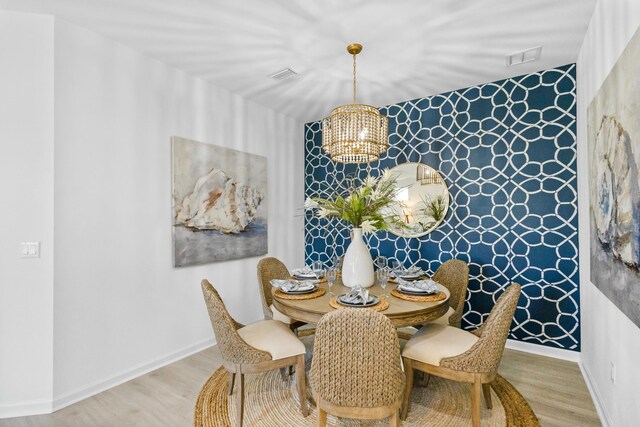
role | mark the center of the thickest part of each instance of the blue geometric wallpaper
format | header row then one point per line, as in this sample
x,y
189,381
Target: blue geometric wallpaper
x,y
507,151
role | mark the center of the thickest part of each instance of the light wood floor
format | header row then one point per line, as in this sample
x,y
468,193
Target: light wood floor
x,y
554,389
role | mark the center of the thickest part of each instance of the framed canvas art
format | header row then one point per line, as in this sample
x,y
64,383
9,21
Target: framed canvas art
x,y
614,183
219,203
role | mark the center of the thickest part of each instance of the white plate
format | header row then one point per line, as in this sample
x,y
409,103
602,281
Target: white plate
x,y
373,300
411,276
301,290
416,291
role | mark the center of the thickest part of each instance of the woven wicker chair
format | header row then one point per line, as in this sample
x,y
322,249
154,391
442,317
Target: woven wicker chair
x,y
268,269
259,347
458,355
453,275
356,370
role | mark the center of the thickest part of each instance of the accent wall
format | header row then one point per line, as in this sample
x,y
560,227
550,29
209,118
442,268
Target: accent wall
x,y
507,151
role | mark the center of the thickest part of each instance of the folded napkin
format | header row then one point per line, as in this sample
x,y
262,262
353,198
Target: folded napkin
x,y
426,286
411,271
358,295
292,285
305,271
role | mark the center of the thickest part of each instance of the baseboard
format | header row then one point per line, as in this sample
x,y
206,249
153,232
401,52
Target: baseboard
x,y
39,407
595,396
23,409
100,386
541,350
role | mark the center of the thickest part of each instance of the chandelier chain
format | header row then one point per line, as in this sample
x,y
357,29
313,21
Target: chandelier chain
x,y
354,78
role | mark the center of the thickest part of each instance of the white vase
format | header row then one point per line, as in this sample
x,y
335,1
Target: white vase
x,y
357,267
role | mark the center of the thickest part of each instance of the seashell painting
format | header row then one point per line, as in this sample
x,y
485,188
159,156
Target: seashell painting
x,y
219,203
613,129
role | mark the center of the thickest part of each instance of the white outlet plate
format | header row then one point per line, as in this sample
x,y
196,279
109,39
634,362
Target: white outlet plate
x,y
30,250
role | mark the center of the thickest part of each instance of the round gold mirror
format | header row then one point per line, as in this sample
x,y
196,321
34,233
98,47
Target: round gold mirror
x,y
422,199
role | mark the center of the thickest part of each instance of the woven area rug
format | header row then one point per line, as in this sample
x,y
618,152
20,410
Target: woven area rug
x,y
272,402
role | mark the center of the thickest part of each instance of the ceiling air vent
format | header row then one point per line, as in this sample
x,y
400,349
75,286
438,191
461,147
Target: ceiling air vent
x,y
524,56
287,73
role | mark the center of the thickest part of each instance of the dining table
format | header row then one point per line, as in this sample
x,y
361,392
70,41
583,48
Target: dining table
x,y
401,312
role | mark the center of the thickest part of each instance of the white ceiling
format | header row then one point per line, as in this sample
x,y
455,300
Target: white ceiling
x,y
412,48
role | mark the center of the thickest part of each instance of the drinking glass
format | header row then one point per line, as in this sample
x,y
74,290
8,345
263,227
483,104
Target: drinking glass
x,y
317,268
383,279
331,275
336,261
396,268
381,262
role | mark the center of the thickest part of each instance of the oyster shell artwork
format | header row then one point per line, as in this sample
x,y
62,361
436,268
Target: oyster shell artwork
x,y
616,216
613,147
219,203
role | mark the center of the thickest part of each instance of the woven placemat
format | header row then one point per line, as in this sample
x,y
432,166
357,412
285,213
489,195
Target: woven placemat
x,y
311,295
381,306
419,298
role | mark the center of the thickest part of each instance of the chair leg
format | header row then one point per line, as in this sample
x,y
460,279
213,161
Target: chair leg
x,y
322,417
240,399
408,386
486,390
232,380
302,385
290,370
283,374
476,393
394,420
426,385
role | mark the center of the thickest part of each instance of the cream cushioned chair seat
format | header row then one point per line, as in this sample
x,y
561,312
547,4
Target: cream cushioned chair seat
x,y
274,337
279,316
434,342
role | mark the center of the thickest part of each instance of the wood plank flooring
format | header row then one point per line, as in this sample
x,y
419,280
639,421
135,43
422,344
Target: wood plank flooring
x,y
554,388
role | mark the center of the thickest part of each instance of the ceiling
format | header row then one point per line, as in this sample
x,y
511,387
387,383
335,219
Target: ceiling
x,y
412,48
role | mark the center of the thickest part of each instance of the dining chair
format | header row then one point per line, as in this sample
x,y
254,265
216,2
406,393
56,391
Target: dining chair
x,y
268,269
453,275
458,355
259,347
356,370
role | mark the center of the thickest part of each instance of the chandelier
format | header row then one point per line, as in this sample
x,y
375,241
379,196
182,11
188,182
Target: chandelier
x,y
426,175
355,133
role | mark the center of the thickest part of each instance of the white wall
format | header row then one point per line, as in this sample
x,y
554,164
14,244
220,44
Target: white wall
x,y
607,334
26,212
119,307
119,303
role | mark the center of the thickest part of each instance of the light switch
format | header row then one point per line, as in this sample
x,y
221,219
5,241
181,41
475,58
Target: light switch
x,y
30,249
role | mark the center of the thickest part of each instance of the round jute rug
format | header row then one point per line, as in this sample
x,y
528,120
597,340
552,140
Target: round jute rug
x,y
271,402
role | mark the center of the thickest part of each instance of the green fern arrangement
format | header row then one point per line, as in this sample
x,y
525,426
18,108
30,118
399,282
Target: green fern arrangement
x,y
366,205
435,207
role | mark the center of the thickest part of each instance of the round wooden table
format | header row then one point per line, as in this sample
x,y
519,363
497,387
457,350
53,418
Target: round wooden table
x,y
400,312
